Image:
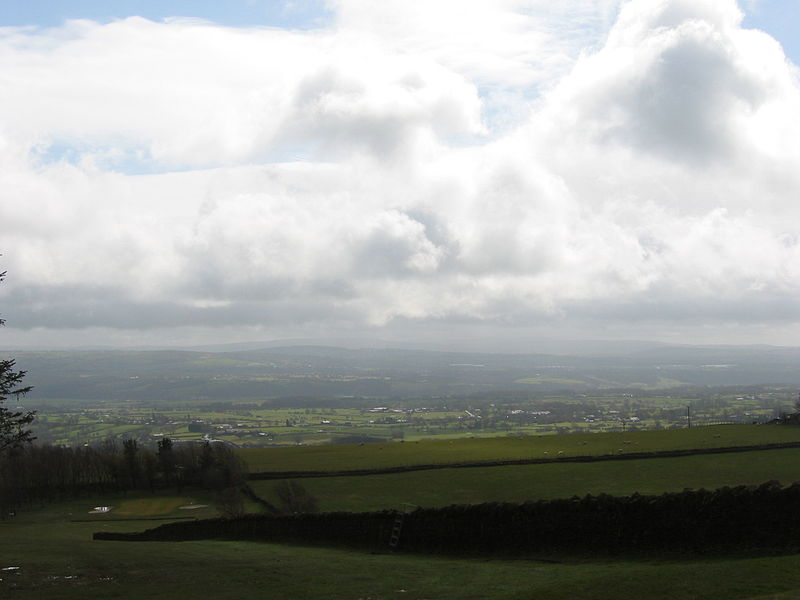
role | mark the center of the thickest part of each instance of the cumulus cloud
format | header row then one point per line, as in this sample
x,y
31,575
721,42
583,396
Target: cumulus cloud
x,y
682,79
359,176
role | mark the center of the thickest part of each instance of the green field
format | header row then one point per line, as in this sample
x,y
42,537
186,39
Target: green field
x,y
150,507
383,455
518,483
59,560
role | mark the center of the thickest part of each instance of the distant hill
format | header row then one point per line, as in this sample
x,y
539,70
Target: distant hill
x,y
329,371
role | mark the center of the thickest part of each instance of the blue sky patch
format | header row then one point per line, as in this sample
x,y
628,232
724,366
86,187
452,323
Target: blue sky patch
x,y
309,14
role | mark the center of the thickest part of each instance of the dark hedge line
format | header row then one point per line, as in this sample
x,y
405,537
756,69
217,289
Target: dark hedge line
x,y
267,475
735,519
361,530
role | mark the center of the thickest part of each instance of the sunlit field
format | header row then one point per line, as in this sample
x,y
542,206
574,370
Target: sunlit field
x,y
466,450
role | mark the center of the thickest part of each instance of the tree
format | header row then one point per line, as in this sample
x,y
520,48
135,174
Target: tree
x,y
130,449
294,498
13,424
166,459
224,472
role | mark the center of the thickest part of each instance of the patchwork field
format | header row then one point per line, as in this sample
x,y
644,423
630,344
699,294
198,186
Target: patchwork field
x,y
351,419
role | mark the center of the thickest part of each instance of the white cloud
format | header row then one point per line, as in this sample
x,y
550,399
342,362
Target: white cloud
x,y
193,94
682,79
650,184
513,43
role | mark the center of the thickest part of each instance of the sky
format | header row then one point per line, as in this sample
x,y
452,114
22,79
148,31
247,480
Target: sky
x,y
451,173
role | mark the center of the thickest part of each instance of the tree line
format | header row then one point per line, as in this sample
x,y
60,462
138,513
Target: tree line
x,y
33,474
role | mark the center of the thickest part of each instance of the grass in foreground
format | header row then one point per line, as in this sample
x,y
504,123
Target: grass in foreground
x,y
59,560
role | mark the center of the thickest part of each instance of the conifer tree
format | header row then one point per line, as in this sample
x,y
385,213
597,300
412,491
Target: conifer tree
x,y
14,430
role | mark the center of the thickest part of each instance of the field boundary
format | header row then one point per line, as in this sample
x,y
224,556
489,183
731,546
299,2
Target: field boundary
x,y
269,475
723,521
133,519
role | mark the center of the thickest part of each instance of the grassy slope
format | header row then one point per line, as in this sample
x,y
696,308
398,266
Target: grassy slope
x,y
367,456
50,548
518,483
